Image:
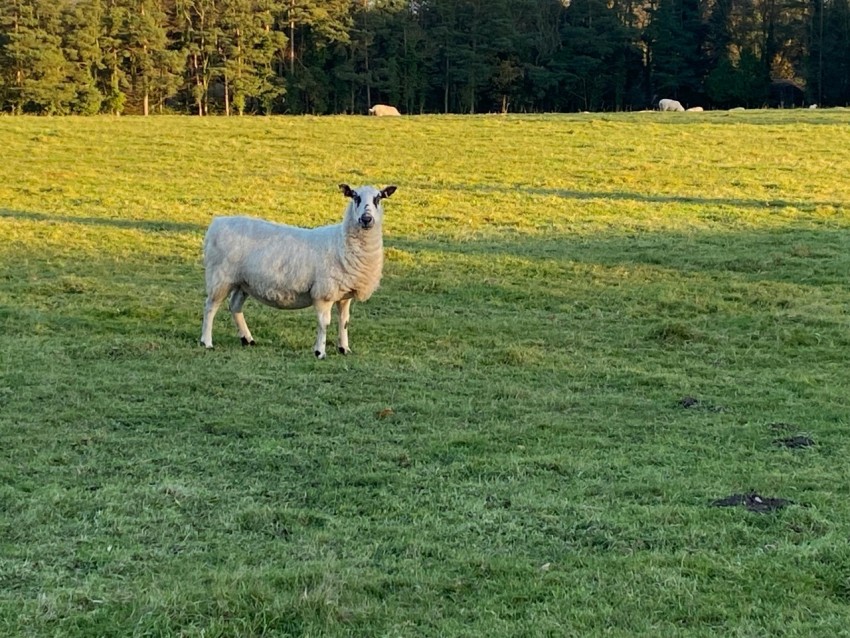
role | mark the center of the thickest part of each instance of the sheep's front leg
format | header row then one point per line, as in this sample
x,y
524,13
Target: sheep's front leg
x,y
344,308
323,313
214,299
237,300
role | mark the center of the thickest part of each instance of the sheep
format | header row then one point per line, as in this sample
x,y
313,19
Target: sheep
x,y
670,105
696,109
290,267
382,110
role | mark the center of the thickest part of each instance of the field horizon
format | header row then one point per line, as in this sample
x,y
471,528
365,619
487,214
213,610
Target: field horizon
x,y
591,330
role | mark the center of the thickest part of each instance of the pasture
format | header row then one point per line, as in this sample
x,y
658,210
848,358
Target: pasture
x,y
590,328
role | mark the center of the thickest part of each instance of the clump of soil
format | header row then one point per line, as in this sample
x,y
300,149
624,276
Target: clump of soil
x,y
752,502
689,402
795,442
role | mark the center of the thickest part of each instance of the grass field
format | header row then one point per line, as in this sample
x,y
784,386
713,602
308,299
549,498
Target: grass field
x,y
589,329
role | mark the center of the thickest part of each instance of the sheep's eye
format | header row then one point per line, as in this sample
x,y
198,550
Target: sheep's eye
x,y
356,199
377,199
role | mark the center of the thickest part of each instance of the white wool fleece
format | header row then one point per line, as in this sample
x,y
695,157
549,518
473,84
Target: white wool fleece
x,y
289,267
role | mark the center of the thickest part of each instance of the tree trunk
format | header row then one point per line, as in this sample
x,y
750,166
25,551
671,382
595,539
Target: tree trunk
x,y
446,89
199,97
292,37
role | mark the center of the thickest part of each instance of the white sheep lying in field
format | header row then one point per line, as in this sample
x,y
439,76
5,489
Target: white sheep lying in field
x,y
670,105
383,109
289,267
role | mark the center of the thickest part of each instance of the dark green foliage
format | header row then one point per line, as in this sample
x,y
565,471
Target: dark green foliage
x,y
829,63
424,56
742,84
676,51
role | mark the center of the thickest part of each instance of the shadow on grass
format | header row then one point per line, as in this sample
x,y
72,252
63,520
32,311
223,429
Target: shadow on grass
x,y
154,226
669,292
565,193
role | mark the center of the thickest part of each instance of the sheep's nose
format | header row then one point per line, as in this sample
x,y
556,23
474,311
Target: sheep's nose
x,y
366,219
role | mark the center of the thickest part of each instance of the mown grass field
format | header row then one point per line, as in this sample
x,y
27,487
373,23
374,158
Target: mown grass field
x,y
590,327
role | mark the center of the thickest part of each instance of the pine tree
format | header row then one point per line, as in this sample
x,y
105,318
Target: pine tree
x,y
82,26
35,71
148,66
678,63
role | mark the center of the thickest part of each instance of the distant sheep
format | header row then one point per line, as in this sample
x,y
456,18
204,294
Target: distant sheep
x,y
382,110
288,267
696,109
670,105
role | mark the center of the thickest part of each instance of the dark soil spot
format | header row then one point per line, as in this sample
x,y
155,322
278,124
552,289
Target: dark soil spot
x,y
689,402
753,502
795,442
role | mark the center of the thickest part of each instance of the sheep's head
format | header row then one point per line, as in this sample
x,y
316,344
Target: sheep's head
x,y
365,209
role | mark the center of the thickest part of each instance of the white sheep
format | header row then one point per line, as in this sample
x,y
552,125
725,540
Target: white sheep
x,y
289,267
382,110
670,105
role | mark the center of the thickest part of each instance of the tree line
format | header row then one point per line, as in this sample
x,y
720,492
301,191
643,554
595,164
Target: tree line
x,y
424,56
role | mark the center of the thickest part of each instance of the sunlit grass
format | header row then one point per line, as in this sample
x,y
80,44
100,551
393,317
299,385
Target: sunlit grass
x,y
506,453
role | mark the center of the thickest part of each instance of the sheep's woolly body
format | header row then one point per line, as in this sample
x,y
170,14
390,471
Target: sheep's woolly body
x,y
383,110
670,105
289,267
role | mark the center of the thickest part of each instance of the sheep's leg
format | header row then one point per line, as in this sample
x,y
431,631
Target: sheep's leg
x,y
344,307
237,300
323,312
214,299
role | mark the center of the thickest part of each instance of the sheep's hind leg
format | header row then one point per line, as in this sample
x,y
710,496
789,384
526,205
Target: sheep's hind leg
x,y
323,313
237,300
344,308
214,299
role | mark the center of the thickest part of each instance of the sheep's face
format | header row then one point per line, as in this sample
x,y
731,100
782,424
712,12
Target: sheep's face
x,y
365,210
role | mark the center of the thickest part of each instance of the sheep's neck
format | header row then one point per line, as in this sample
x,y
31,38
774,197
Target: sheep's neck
x,y
364,243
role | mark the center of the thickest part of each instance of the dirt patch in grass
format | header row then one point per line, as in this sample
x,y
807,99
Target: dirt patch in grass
x,y
753,502
692,403
795,442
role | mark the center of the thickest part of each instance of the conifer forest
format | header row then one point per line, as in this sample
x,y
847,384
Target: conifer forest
x,y
235,57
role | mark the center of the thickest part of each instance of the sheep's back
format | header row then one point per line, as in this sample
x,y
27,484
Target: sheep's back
x,y
255,251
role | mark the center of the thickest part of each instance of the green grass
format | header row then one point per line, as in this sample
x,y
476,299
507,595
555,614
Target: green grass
x,y
505,454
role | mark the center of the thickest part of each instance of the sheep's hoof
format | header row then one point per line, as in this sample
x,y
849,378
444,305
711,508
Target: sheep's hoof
x,y
343,351
245,342
319,354
208,347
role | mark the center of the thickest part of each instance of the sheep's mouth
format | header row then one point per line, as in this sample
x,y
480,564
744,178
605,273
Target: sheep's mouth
x,y
367,225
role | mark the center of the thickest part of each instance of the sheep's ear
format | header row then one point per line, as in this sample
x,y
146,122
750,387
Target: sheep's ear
x,y
389,190
346,190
